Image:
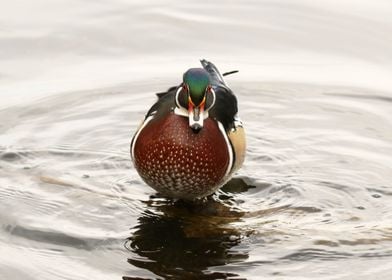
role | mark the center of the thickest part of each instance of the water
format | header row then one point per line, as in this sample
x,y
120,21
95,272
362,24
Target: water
x,y
313,200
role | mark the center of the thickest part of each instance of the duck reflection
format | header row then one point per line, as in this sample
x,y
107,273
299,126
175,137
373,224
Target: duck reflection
x,y
176,239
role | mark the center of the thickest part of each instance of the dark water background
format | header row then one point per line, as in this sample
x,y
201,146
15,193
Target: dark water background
x,y
314,198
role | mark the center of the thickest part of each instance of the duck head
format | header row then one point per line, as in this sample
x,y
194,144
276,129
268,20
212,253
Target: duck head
x,y
195,97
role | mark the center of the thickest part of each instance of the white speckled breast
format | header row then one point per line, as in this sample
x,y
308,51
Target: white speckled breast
x,y
178,162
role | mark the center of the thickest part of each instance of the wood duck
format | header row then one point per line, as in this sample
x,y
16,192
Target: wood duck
x,y
191,140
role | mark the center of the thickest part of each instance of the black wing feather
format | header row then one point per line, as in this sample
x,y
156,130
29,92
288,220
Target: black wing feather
x,y
225,107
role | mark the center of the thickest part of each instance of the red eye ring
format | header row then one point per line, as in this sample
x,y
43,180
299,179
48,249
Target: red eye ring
x,y
208,89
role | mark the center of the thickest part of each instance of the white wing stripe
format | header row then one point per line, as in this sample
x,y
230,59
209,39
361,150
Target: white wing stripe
x,y
146,121
229,147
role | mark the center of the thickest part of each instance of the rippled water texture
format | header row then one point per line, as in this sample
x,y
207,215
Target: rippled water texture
x,y
313,200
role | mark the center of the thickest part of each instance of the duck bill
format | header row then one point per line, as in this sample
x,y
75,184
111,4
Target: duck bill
x,y
196,118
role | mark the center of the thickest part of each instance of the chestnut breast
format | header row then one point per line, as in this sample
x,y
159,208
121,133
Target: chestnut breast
x,y
179,162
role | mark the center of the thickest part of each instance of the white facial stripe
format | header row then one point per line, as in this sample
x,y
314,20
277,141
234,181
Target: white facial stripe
x,y
214,98
229,147
179,110
146,121
177,94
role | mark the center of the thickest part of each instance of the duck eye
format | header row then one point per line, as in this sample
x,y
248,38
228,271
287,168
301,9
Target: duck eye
x,y
208,89
185,87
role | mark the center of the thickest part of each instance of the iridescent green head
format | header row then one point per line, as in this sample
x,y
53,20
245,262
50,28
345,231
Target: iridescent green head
x,y
195,97
197,80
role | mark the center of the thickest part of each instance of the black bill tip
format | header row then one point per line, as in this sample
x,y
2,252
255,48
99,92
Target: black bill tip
x,y
196,127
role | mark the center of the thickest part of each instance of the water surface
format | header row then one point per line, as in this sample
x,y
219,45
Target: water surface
x,y
313,199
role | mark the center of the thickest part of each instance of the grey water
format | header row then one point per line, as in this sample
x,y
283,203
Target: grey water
x,y
313,199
